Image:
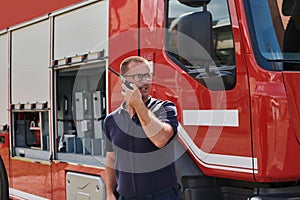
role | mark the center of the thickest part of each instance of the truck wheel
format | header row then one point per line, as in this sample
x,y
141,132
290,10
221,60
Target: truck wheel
x,y
3,182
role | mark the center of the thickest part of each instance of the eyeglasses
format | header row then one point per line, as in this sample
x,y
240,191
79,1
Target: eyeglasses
x,y
139,77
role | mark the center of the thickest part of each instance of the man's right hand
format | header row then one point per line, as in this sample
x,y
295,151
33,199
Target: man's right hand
x,y
110,176
111,197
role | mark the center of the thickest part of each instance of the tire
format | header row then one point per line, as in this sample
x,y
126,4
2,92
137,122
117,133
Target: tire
x,y
4,194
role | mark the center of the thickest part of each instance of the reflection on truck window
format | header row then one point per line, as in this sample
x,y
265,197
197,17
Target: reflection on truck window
x,y
274,32
220,50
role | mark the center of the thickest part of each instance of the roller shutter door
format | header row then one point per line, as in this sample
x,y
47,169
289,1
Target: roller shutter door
x,y
30,63
3,79
81,31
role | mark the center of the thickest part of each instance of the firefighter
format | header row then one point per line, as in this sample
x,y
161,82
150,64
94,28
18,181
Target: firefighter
x,y
140,140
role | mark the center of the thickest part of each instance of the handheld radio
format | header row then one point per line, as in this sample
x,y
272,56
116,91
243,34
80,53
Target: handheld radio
x,y
122,77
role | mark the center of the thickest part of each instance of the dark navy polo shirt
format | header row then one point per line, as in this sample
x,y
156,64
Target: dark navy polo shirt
x,y
141,167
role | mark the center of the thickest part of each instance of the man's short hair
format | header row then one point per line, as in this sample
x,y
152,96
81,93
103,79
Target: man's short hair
x,y
126,61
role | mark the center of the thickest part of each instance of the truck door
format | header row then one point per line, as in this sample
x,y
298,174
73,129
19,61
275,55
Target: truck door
x,y
203,70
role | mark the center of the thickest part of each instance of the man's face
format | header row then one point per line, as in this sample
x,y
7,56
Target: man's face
x,y
139,74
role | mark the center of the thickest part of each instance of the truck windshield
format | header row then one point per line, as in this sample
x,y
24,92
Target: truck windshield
x,y
275,31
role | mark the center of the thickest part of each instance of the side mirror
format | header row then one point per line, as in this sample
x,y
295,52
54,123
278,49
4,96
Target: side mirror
x,y
194,3
289,7
195,37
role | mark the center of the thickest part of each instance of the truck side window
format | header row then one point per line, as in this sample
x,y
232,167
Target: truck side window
x,y
220,54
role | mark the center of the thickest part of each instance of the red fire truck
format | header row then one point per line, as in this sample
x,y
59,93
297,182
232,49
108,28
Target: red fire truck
x,y
228,65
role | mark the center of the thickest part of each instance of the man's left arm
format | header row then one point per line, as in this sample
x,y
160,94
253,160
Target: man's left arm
x,y
158,132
